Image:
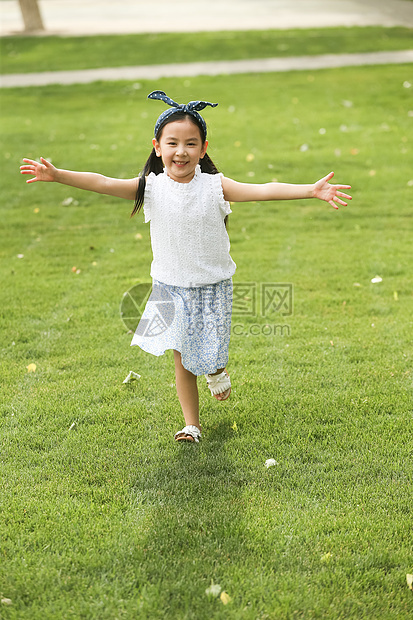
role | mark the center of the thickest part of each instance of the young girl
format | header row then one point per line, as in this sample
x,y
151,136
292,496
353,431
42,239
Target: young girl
x,y
186,201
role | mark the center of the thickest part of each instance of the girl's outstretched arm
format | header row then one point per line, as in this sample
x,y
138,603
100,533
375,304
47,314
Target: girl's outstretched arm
x,y
45,171
246,192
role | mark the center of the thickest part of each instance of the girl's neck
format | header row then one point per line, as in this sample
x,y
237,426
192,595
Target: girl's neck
x,y
184,179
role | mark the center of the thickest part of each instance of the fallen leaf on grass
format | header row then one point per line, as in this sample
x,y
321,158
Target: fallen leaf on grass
x,y
395,296
132,376
326,558
213,590
235,427
31,368
225,598
409,579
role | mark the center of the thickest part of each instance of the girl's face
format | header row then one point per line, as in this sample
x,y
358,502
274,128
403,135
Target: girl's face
x,y
180,146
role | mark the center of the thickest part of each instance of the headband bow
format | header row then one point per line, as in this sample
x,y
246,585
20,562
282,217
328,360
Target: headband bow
x,y
190,108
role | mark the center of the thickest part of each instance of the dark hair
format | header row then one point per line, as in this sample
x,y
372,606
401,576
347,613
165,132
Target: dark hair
x,y
154,164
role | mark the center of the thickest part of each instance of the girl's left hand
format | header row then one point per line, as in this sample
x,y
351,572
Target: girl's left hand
x,y
331,193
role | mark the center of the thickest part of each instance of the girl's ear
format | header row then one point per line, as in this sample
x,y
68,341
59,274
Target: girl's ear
x,y
204,149
157,147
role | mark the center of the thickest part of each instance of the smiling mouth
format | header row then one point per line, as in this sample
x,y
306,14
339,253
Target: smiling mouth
x,y
180,163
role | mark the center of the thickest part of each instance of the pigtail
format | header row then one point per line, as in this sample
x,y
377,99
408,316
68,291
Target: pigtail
x,y
207,165
153,164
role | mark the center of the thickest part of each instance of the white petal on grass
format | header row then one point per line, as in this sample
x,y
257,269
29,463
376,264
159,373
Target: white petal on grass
x,y
409,580
132,376
376,279
20,255
6,601
270,463
407,84
213,590
304,148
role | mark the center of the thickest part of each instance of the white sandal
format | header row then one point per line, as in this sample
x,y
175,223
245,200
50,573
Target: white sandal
x,y
189,433
219,384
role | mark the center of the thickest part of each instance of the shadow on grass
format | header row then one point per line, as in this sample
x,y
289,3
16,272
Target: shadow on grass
x,y
196,507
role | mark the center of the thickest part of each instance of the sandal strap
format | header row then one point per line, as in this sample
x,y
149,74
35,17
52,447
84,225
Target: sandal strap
x,y
218,383
191,430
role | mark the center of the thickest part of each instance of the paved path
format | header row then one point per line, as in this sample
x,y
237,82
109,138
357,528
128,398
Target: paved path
x,y
77,17
85,17
154,72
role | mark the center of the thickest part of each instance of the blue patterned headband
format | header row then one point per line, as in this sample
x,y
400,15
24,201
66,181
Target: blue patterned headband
x,y
189,108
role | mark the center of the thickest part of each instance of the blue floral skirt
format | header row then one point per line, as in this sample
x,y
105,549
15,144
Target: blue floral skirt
x,y
195,321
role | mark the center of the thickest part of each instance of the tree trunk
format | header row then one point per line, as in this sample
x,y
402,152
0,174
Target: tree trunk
x,y
31,15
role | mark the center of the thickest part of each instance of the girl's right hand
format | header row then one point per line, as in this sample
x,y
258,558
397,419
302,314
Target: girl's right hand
x,y
45,171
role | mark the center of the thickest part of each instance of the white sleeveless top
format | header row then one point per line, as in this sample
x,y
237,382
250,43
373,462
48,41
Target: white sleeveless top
x,y
190,244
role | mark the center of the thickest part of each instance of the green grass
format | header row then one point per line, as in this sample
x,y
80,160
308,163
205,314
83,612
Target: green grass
x,y
111,519
27,54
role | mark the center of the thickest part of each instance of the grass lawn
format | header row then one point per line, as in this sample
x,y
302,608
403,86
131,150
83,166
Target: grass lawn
x,y
26,54
103,515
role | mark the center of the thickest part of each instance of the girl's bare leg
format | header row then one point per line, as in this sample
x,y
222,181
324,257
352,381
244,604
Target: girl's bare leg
x,y
187,389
